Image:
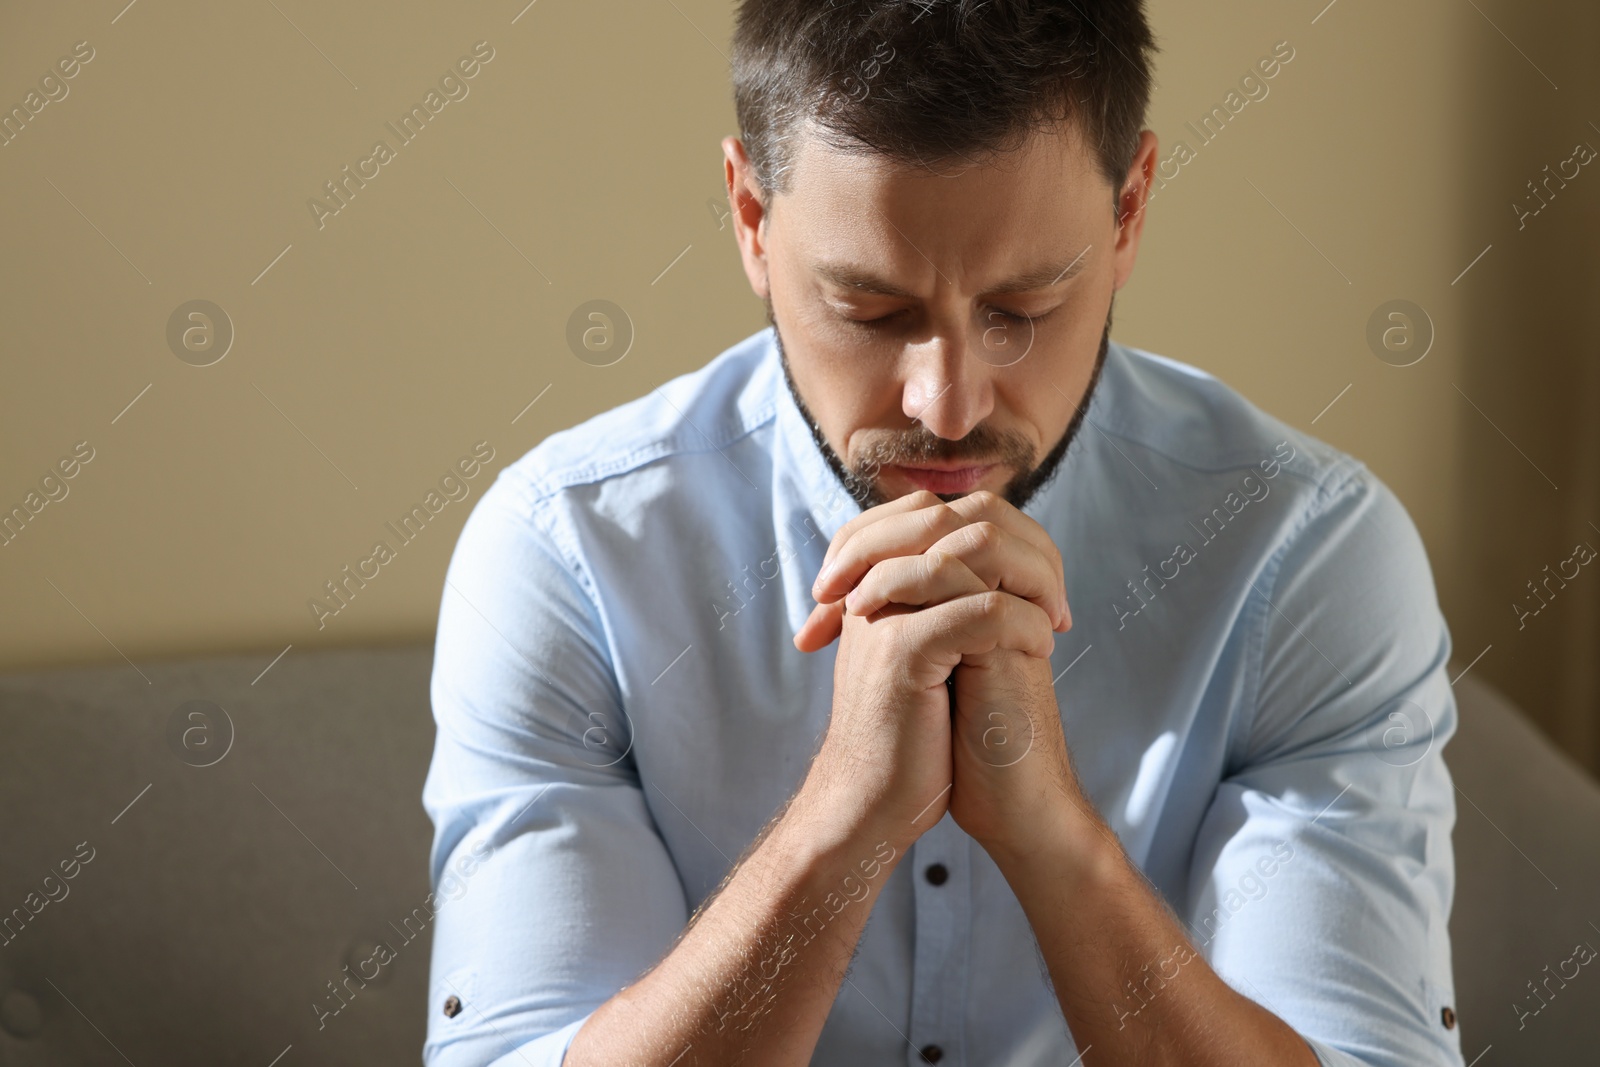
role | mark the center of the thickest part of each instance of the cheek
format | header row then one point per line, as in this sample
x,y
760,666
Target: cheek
x,y
841,375
1041,394
1073,346
863,407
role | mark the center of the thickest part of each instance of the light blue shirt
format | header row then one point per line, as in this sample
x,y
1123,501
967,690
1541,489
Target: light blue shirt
x,y
1254,689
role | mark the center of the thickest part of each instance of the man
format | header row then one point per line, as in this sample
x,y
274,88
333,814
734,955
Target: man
x,y
928,679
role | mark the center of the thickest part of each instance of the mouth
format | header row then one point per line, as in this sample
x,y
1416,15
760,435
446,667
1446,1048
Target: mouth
x,y
947,478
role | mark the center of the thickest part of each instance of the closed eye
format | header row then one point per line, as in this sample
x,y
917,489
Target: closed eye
x,y
1013,317
880,321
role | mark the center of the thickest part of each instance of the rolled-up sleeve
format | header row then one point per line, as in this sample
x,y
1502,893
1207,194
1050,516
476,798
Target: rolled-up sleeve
x,y
1322,877
552,886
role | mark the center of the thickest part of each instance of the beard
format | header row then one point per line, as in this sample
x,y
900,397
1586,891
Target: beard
x,y
918,445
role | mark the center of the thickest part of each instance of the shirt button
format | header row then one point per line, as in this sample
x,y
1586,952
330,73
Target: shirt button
x,y
1448,1017
936,874
932,1053
452,1006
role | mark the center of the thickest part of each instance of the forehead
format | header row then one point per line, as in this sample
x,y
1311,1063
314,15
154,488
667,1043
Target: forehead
x,y
974,220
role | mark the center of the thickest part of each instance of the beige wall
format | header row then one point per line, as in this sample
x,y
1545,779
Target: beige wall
x,y
421,319
1533,363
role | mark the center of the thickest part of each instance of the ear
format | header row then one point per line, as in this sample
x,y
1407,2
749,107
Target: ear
x,y
1131,204
749,214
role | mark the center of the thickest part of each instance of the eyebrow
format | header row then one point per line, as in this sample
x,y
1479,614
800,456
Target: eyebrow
x,y
851,276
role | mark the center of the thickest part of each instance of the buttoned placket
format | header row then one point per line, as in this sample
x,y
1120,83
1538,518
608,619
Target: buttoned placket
x,y
942,877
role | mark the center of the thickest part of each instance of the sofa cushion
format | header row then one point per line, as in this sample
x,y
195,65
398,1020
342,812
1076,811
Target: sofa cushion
x,y
216,887
1527,843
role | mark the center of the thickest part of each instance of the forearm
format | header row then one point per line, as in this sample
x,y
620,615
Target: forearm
x,y
755,973
1131,985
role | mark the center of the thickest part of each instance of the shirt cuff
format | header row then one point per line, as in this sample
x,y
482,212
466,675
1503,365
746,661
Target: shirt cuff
x,y
1332,1057
1328,1056
546,1051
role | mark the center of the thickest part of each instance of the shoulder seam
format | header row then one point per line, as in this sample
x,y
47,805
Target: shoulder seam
x,y
1132,353
1171,457
548,486
536,511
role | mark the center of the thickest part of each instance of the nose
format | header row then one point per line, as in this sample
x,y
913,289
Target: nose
x,y
946,388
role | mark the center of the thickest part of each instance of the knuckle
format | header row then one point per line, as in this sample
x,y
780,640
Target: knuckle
x,y
982,534
991,605
985,499
945,515
939,518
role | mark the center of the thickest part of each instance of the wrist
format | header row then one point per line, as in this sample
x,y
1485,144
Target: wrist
x,y
824,821
1072,847
824,863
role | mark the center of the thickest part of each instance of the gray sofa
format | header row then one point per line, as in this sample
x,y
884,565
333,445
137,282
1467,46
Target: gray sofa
x,y
203,872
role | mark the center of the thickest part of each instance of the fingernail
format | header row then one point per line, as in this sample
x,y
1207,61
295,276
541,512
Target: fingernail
x,y
822,579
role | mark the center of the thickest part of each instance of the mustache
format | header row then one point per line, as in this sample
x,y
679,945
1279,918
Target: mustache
x,y
917,447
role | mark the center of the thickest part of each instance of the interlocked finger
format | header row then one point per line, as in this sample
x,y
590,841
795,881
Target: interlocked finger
x,y
931,578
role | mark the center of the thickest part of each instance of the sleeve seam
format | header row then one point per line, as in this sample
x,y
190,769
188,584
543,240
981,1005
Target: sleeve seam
x,y
1350,470
536,511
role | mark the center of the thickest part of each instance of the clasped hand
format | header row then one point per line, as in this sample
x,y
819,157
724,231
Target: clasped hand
x,y
990,584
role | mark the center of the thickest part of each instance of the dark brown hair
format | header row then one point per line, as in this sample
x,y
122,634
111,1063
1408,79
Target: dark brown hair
x,y
931,82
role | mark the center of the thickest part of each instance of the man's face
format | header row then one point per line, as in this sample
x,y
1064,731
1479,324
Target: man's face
x,y
941,330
